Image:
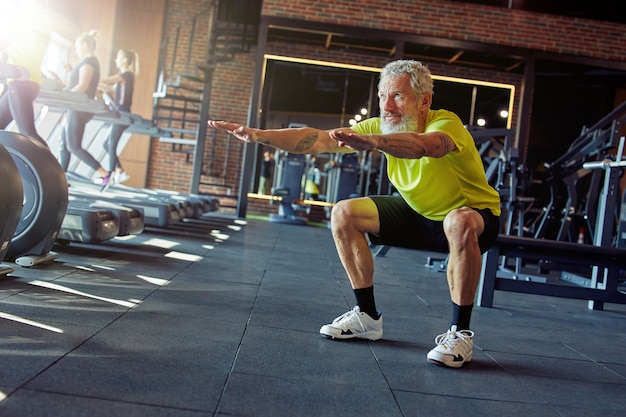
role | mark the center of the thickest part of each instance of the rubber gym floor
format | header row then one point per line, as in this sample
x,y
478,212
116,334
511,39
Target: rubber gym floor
x,y
220,317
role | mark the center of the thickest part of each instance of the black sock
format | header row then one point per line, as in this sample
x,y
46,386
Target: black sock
x,y
365,301
461,316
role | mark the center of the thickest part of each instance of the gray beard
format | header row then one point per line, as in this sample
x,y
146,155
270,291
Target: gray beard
x,y
407,124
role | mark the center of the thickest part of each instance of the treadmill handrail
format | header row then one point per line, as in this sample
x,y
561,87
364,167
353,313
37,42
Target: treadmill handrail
x,y
71,100
81,102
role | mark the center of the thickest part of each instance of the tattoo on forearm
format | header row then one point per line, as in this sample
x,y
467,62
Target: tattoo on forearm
x,y
446,146
407,147
401,147
306,142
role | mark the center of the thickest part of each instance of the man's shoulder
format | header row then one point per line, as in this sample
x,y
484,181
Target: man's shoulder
x,y
443,120
368,126
451,124
442,114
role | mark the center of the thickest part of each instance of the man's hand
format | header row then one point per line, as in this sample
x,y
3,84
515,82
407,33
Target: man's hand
x,y
350,139
241,132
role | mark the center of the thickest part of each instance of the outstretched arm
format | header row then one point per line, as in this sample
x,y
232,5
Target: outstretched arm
x,y
401,145
112,79
304,140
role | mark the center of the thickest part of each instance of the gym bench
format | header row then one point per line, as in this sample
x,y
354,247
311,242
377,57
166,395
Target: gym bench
x,y
598,259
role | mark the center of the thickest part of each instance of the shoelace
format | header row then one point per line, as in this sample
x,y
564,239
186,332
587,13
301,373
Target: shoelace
x,y
451,337
349,316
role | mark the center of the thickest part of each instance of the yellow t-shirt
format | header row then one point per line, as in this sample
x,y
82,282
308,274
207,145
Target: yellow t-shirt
x,y
435,186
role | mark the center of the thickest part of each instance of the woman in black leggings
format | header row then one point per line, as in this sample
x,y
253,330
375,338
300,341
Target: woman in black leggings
x,y
84,78
123,83
17,104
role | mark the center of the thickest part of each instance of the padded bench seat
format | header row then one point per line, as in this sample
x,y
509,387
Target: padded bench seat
x,y
609,258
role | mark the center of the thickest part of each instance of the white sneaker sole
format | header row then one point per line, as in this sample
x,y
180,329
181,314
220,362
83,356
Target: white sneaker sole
x,y
437,359
327,331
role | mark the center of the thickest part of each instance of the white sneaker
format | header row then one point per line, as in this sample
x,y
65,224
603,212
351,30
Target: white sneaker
x,y
121,177
454,348
104,182
354,324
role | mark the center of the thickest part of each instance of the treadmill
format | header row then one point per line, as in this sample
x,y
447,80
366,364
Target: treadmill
x,y
160,208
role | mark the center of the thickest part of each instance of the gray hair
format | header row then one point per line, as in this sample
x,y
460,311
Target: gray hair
x,y
421,80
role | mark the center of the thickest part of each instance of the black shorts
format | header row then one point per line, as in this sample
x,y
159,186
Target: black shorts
x,y
400,225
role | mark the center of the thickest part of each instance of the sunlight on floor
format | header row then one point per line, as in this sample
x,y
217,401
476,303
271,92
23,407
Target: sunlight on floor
x,y
80,293
219,235
22,320
152,280
106,268
183,256
161,243
84,268
125,238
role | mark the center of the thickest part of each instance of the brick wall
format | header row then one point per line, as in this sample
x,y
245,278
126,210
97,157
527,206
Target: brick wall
x,y
230,96
468,22
230,99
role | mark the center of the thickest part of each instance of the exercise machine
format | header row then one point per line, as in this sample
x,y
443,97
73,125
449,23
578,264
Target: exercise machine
x,y
156,212
46,214
129,220
606,219
45,199
11,203
568,173
289,172
343,177
159,208
602,262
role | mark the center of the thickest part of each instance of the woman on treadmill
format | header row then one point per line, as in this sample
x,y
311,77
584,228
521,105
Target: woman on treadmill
x,y
84,78
123,83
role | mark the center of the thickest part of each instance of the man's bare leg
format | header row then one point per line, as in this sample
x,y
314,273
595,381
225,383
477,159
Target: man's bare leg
x,y
462,228
455,347
350,220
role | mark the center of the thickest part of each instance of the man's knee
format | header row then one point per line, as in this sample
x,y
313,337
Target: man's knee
x,y
356,213
462,224
340,213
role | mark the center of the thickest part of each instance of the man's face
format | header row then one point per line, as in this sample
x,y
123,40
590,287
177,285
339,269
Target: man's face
x,y
398,105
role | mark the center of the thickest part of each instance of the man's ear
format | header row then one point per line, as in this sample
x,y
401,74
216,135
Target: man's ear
x,y
427,99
